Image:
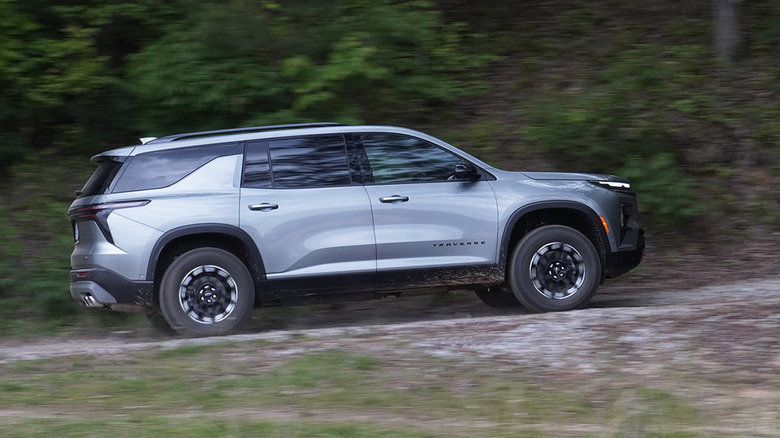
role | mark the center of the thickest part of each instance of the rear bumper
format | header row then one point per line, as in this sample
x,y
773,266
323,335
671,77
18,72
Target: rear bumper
x,y
620,262
103,288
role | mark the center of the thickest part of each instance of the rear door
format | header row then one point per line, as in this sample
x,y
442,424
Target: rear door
x,y
430,228
308,216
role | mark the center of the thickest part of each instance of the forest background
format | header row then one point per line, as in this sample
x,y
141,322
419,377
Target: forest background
x,y
681,97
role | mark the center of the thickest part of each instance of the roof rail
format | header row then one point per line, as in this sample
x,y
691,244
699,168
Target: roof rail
x,y
175,137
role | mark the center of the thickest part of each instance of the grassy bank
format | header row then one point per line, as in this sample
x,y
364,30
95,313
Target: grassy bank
x,y
245,389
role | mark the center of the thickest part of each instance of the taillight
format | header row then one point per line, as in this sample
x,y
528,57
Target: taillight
x,y
99,214
91,212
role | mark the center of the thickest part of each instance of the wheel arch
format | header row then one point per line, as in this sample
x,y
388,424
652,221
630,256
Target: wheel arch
x,y
180,240
568,213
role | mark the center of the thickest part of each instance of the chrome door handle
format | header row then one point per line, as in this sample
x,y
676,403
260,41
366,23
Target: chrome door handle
x,y
265,206
393,199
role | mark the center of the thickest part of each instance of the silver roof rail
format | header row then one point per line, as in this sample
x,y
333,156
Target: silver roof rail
x,y
175,137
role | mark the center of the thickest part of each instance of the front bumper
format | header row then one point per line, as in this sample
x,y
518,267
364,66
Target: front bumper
x,y
103,288
620,262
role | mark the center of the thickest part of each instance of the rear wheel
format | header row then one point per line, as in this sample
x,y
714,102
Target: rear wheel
x,y
206,292
554,268
160,324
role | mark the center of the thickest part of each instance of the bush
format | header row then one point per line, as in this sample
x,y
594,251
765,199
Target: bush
x,y
267,62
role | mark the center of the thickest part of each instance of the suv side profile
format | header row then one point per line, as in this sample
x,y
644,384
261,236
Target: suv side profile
x,y
195,230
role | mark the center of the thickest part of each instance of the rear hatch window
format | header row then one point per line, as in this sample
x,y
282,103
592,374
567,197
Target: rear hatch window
x,y
102,177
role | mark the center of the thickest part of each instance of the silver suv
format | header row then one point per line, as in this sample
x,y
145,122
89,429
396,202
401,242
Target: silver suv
x,y
197,229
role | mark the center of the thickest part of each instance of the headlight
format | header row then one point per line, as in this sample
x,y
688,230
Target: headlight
x,y
614,184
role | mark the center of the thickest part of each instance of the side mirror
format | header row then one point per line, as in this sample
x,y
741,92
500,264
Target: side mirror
x,y
466,172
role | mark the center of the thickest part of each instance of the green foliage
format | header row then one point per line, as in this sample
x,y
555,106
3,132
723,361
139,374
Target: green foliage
x,y
641,115
58,70
254,63
616,125
37,240
9,251
482,139
665,190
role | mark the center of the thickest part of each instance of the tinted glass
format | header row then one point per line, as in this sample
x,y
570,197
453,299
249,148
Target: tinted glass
x,y
399,159
154,170
257,169
100,179
315,161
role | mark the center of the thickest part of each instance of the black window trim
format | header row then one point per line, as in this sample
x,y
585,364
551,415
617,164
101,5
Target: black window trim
x,y
244,163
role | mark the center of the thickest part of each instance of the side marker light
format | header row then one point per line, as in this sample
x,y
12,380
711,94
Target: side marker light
x,y
604,222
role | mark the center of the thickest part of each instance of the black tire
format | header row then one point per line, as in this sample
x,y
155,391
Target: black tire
x,y
206,292
498,297
160,324
554,268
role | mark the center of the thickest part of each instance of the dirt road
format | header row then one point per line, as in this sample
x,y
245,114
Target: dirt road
x,y
733,327
716,349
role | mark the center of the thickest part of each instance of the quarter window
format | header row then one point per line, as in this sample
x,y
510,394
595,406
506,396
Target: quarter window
x,y
398,158
154,170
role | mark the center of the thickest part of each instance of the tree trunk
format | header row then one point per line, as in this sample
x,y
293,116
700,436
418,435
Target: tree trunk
x,y
728,34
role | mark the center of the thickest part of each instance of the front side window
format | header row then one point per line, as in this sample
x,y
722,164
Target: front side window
x,y
314,161
396,158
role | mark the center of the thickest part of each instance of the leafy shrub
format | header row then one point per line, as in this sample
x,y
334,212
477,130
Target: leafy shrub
x,y
267,62
616,123
665,191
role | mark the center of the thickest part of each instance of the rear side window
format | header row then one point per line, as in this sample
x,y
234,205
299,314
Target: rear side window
x,y
316,161
154,170
101,178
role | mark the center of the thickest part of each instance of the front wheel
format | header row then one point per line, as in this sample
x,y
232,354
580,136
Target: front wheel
x,y
498,297
554,268
206,292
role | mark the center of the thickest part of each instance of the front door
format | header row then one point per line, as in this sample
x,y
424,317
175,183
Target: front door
x,y
430,228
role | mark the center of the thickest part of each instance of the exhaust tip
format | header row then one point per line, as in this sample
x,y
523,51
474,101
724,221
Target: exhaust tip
x,y
89,301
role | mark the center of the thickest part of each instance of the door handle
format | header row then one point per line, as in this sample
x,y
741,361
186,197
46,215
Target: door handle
x,y
265,206
394,199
